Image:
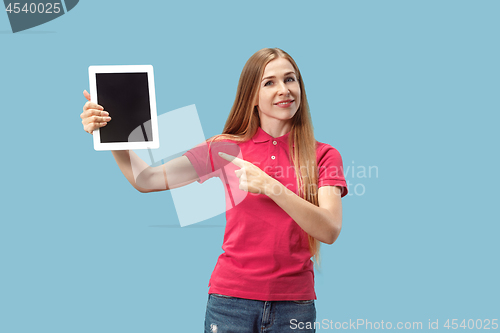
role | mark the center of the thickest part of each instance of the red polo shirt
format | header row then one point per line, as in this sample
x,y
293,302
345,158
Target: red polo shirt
x,y
266,253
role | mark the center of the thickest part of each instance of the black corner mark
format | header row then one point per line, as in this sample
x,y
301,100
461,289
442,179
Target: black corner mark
x,y
70,4
25,15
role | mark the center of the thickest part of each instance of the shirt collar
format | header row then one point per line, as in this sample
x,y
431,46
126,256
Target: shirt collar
x,y
262,136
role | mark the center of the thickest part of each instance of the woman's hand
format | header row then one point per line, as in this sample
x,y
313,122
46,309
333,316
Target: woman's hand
x,y
252,179
93,115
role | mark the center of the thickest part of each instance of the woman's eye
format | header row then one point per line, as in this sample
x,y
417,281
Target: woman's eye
x,y
268,83
290,79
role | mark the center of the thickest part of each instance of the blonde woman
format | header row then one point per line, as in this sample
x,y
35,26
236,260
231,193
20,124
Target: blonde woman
x,y
292,186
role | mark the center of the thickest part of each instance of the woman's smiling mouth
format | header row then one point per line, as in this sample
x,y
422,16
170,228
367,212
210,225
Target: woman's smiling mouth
x,y
284,104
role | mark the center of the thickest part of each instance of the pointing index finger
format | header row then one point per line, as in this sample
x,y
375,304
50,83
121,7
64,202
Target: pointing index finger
x,y
233,159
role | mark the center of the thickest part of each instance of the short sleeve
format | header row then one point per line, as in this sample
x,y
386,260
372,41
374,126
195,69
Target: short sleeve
x,y
206,160
202,161
330,168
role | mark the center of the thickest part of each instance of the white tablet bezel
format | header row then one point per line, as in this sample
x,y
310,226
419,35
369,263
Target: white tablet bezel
x,y
155,143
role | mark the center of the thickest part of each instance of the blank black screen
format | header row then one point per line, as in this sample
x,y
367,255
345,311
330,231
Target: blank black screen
x,y
126,97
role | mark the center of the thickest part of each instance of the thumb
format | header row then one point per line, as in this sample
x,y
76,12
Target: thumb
x,y
86,94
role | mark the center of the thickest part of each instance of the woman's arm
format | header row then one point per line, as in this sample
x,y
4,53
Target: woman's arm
x,y
175,173
324,222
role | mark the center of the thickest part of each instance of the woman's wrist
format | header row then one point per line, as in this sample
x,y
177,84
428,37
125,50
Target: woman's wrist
x,y
274,188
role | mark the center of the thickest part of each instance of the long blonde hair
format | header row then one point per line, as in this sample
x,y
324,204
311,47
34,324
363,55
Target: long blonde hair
x,y
243,122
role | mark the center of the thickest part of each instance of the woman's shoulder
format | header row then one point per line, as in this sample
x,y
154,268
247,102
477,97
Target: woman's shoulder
x,y
326,151
323,147
224,143
217,143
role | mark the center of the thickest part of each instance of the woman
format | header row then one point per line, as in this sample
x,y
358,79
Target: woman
x,y
264,280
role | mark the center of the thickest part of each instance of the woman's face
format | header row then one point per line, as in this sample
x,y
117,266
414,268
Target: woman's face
x,y
279,92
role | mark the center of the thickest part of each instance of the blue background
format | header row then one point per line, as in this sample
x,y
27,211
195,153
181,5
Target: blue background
x,y
411,87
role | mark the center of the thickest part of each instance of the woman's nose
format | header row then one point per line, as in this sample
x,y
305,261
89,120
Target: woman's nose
x,y
283,89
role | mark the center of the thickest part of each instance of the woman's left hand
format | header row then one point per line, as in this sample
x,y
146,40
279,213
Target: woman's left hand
x,y
252,179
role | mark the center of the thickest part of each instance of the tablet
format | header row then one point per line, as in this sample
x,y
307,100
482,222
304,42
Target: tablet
x,y
128,94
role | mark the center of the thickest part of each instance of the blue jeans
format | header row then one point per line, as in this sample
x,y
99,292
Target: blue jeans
x,y
227,314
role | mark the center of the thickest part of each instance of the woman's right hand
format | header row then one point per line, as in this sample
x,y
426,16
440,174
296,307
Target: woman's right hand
x,y
93,115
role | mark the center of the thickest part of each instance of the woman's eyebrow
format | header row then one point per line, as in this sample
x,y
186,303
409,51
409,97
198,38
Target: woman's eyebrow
x,y
272,77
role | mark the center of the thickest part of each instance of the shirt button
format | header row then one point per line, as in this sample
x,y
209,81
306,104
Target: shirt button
x,y
273,157
275,143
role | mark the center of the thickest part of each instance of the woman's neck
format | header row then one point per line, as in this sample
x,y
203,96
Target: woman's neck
x,y
277,129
